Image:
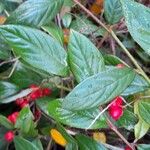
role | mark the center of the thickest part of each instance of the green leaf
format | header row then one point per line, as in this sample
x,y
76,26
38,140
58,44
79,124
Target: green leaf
x,y
99,89
25,122
84,58
36,48
139,84
128,120
23,144
86,143
38,144
4,122
66,20
85,26
80,119
23,77
7,89
35,12
144,110
143,147
55,32
141,128
137,18
12,98
112,60
5,52
112,11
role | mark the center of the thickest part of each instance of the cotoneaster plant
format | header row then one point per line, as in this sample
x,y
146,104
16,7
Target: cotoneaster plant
x,y
74,75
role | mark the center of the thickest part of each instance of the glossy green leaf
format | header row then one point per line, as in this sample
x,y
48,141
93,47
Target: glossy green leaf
x,y
12,98
7,89
38,144
25,122
143,147
80,119
139,84
144,110
141,128
55,32
112,60
35,12
98,89
112,11
24,77
137,18
36,48
4,122
23,144
5,52
84,58
86,143
128,120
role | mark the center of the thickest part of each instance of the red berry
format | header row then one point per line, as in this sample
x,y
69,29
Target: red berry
x,y
36,94
117,102
9,136
127,148
19,101
116,112
24,104
46,91
120,66
13,117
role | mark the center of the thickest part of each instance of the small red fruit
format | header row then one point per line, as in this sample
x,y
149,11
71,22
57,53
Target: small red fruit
x,y
24,104
120,66
13,117
117,102
19,101
116,112
46,91
127,148
9,136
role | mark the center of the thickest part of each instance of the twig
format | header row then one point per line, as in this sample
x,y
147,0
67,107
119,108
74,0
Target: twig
x,y
49,145
97,117
116,38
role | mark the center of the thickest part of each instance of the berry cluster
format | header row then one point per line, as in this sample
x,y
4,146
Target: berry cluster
x,y
116,109
36,93
13,117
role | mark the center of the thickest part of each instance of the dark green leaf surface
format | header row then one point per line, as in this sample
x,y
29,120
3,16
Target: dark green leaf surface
x,y
84,58
86,143
138,22
80,119
12,98
98,89
35,12
139,84
128,120
144,110
112,11
23,144
24,77
7,89
25,122
4,122
55,32
143,147
36,48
